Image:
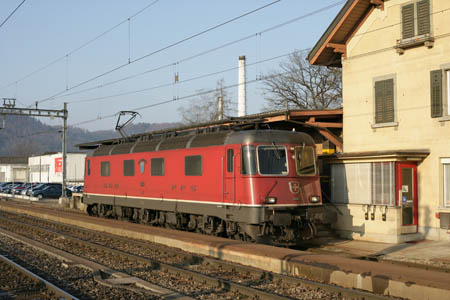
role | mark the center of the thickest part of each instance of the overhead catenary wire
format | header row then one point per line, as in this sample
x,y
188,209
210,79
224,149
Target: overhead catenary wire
x,y
353,115
121,66
93,99
12,13
208,51
83,45
161,103
246,82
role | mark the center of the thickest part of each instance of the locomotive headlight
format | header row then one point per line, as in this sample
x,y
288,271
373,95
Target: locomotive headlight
x,y
315,199
271,200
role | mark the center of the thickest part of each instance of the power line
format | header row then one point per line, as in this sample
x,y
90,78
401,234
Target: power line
x,y
63,94
10,15
160,50
181,98
81,46
182,81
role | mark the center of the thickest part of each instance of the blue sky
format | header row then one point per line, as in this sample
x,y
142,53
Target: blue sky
x,y
44,30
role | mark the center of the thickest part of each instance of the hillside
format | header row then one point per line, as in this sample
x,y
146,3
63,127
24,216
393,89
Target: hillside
x,y
24,136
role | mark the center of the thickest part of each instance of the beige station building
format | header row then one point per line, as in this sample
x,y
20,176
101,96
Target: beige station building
x,y
391,183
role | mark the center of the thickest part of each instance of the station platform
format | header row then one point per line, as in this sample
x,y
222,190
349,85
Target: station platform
x,y
425,253
338,266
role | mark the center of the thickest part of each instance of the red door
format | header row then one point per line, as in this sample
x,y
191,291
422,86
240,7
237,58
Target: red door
x,y
406,187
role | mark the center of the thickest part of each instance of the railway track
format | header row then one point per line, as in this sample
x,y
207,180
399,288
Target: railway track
x,y
200,277
17,282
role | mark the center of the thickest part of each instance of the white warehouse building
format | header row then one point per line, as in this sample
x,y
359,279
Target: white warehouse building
x,y
48,168
13,169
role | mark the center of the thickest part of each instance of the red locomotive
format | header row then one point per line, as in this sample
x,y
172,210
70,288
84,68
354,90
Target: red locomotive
x,y
254,185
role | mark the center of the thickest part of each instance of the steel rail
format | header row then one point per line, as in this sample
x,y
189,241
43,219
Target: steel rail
x,y
50,286
190,258
177,270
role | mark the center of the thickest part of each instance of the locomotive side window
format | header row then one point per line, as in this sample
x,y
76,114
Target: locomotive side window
x,y
272,160
157,166
105,169
305,160
128,167
230,160
248,160
142,164
193,165
88,167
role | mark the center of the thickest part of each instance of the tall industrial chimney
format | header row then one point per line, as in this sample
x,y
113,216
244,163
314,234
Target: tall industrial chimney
x,y
220,108
242,93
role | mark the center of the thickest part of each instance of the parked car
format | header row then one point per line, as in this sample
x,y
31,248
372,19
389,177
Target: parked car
x,y
50,191
4,185
18,189
78,189
32,186
9,188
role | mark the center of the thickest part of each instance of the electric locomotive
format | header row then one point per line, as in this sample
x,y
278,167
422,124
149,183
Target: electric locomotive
x,y
254,185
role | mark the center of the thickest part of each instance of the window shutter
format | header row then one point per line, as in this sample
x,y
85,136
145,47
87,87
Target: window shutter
x,y
379,93
389,100
408,21
423,17
436,93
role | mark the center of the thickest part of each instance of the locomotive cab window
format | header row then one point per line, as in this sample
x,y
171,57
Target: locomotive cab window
x,y
193,165
128,167
157,167
248,160
305,160
105,168
272,160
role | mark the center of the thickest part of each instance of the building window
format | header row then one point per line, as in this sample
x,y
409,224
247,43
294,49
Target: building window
x,y
193,165
446,168
157,167
363,183
105,169
416,19
383,183
128,167
440,93
384,101
447,74
350,183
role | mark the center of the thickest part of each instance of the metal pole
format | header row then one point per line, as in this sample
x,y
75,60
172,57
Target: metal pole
x,y
64,151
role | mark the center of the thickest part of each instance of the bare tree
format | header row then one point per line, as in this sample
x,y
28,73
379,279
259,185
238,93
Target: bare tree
x,y
205,107
303,86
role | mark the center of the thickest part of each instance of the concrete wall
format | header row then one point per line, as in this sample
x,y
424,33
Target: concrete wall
x,y
50,169
370,55
13,172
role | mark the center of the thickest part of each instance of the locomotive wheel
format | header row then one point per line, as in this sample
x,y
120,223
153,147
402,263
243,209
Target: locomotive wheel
x,y
102,210
93,210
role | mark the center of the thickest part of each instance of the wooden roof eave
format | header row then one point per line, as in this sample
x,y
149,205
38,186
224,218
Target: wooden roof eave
x,y
331,47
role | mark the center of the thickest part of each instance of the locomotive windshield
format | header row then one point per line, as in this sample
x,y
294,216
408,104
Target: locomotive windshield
x,y
272,160
305,160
